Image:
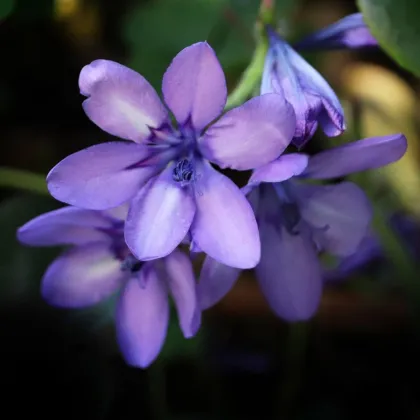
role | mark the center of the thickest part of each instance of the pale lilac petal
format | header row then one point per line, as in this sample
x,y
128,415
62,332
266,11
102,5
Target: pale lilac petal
x,y
370,153
182,286
339,214
251,135
281,169
68,225
289,273
97,178
194,86
350,32
120,101
159,218
224,226
82,276
142,318
120,212
215,282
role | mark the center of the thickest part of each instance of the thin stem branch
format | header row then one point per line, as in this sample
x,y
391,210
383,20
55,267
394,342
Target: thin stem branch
x,y
252,74
23,180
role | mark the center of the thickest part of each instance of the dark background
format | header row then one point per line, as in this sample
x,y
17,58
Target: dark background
x,y
358,358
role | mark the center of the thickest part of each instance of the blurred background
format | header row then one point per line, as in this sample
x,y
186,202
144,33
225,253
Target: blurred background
x,y
358,358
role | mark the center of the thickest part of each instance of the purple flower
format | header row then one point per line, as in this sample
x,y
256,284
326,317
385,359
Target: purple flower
x,y
165,171
371,250
350,32
98,264
298,220
294,79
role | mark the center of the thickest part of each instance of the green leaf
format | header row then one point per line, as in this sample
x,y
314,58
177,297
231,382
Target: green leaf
x,y
177,346
395,24
6,8
160,29
23,180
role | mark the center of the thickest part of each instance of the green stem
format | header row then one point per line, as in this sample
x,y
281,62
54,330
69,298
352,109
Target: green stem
x,y
23,180
157,390
295,361
250,77
252,74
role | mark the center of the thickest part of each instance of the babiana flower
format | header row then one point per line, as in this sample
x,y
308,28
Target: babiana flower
x,y
165,171
294,79
350,32
98,264
298,220
371,250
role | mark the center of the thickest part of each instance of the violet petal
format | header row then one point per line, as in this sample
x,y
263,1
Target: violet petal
x,y
289,273
142,318
68,225
216,280
251,135
370,153
182,286
314,101
279,170
368,250
339,214
97,178
224,226
120,101
194,86
159,217
349,32
82,276
119,212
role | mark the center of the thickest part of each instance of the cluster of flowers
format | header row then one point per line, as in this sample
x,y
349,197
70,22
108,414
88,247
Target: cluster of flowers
x,y
134,203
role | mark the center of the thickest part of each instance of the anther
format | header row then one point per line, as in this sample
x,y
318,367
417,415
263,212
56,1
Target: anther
x,y
183,172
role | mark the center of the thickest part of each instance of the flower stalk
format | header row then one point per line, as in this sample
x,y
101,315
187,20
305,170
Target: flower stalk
x,y
23,180
251,77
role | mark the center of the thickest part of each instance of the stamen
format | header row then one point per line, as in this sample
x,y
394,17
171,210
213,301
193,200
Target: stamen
x,y
132,264
289,208
183,172
290,217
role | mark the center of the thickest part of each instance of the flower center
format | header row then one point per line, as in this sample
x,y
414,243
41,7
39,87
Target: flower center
x,y
131,264
183,172
289,209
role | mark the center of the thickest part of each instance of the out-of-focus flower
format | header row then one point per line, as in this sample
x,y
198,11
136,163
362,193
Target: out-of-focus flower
x,y
350,32
371,251
165,170
294,79
98,264
298,220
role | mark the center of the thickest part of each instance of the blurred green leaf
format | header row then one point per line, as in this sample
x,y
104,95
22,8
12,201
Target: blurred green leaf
x,y
177,346
160,29
95,318
23,180
21,268
157,31
6,8
31,10
395,24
